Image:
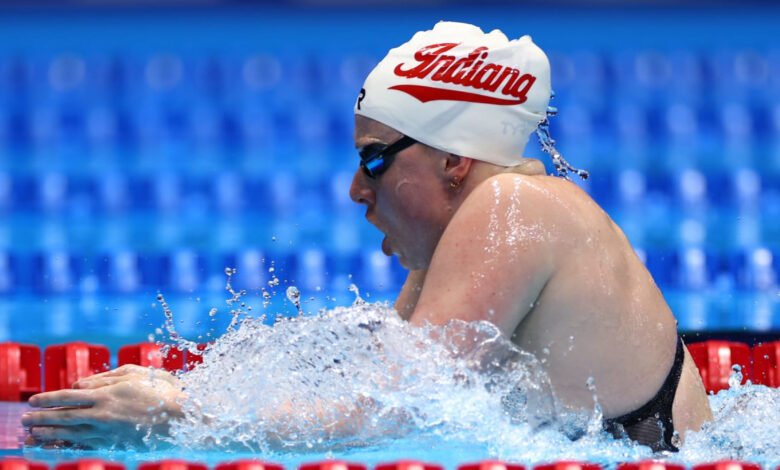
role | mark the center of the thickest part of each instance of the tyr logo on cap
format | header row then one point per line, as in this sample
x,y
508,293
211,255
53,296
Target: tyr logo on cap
x,y
470,71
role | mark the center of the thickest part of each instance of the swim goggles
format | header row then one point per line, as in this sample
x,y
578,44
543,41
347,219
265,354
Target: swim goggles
x,y
375,159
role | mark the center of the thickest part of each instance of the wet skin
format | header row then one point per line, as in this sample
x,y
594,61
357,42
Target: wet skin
x,y
532,254
537,257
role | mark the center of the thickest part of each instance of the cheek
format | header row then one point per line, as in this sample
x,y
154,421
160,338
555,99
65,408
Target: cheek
x,y
412,199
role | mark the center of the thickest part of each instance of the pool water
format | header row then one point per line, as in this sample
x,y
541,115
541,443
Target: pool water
x,y
469,395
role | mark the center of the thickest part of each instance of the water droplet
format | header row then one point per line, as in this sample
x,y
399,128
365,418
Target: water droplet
x,y
212,312
735,379
294,296
562,167
358,300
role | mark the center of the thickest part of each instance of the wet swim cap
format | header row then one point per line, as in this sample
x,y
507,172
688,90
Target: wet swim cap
x,y
460,90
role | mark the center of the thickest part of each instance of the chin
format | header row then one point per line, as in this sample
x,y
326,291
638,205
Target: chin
x,y
410,263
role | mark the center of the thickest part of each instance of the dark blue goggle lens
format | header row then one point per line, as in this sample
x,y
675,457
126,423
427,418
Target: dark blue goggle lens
x,y
376,159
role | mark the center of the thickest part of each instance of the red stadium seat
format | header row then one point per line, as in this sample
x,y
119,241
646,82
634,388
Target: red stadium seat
x,y
715,360
727,465
568,465
491,465
149,355
766,364
16,463
20,371
172,464
65,364
90,464
332,465
195,359
408,465
248,465
650,465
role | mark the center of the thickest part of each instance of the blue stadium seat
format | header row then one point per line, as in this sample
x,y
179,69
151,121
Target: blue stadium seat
x,y
121,272
102,127
313,271
8,274
52,189
229,193
66,80
584,78
6,192
643,76
167,191
682,129
691,189
184,270
661,264
284,193
695,311
695,268
756,269
56,272
212,77
631,125
745,188
113,191
252,269
16,79
630,187
260,76
736,122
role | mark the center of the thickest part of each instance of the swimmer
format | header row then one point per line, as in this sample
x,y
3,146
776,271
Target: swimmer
x,y
440,126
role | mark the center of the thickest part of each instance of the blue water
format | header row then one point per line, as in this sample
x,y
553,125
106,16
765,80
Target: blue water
x,y
449,395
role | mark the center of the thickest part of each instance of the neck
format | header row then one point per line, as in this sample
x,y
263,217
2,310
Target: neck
x,y
480,171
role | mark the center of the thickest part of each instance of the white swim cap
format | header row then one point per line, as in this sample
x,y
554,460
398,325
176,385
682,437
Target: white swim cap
x,y
460,90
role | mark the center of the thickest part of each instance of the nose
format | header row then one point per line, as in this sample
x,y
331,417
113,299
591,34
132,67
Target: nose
x,y
360,191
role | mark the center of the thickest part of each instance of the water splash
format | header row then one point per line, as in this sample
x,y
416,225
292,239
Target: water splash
x,y
179,341
235,298
562,167
358,378
358,299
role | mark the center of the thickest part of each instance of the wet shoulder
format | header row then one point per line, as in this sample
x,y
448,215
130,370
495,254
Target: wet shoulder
x,y
543,200
537,192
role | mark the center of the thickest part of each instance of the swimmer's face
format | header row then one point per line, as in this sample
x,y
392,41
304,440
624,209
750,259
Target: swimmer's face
x,y
408,202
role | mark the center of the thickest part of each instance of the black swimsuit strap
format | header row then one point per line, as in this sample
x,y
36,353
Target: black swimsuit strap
x,y
660,406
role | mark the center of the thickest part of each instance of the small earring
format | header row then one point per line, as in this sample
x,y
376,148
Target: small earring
x,y
454,183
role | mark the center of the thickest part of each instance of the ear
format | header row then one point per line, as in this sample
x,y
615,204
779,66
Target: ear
x,y
456,168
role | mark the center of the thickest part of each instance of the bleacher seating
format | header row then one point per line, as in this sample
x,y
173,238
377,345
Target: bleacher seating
x,y
125,173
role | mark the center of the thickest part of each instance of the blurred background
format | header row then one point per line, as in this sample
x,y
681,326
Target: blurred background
x,y
145,146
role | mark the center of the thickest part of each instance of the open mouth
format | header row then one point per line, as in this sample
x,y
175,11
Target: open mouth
x,y
386,249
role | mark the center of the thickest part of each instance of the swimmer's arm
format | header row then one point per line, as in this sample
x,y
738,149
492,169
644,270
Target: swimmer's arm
x,y
410,293
119,407
495,257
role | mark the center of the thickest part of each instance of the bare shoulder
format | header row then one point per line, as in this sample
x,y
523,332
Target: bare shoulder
x,y
529,202
496,254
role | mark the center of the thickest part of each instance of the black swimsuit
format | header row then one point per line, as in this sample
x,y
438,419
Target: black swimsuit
x,y
652,425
